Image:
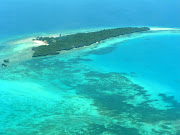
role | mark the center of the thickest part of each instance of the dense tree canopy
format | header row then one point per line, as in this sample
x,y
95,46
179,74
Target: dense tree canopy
x,y
56,44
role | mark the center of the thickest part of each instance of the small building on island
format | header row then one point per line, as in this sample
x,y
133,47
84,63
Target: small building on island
x,y
60,36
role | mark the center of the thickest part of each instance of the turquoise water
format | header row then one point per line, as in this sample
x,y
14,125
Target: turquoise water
x,y
121,86
114,87
152,59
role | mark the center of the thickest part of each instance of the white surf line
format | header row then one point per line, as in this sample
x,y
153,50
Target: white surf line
x,y
163,29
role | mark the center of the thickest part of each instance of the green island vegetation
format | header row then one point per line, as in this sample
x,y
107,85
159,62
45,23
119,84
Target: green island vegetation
x,y
68,42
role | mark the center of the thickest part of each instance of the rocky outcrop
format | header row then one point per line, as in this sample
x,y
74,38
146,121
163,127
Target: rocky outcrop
x,y
4,65
6,60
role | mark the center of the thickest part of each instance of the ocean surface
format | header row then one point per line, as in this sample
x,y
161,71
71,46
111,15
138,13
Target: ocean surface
x,y
122,86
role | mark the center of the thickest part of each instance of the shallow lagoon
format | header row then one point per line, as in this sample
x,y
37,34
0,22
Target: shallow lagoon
x,y
152,59
118,88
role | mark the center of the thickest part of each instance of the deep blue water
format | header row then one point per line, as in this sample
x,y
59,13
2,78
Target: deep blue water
x,y
112,88
19,17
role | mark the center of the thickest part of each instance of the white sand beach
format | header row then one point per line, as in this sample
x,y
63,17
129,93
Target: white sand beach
x,y
162,29
23,47
38,43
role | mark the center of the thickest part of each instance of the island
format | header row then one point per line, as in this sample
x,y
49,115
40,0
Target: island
x,y
54,45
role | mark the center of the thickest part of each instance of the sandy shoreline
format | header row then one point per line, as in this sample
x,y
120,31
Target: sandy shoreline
x,y
26,44
30,39
38,42
163,29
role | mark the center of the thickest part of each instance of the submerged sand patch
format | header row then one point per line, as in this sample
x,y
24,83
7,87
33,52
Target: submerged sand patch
x,y
21,49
